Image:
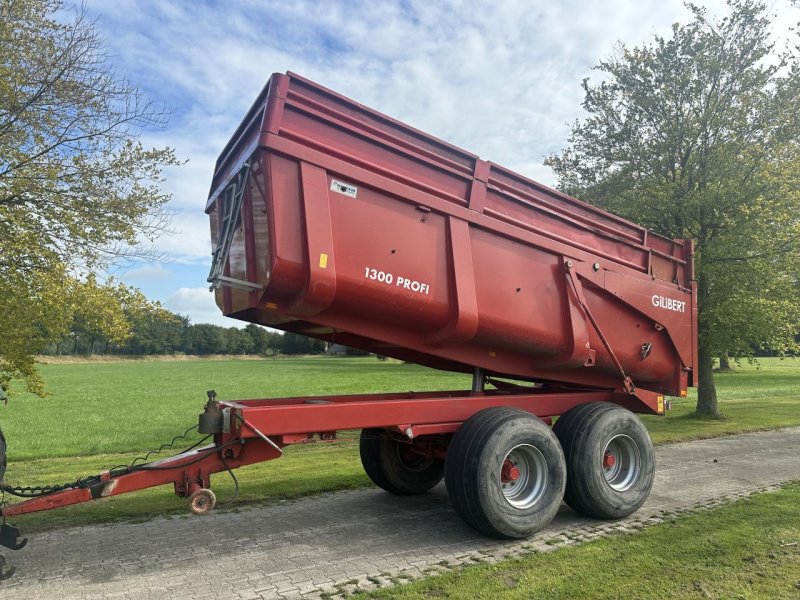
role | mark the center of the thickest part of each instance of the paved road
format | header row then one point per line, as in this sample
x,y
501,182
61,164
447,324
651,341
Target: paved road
x,y
362,538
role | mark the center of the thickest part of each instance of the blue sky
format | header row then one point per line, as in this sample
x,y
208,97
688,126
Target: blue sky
x,y
500,79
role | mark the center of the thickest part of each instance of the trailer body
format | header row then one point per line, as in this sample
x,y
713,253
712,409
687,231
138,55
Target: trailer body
x,y
354,228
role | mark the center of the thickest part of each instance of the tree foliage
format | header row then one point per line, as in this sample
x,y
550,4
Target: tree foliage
x,y
78,190
154,329
295,344
697,135
130,322
147,328
261,338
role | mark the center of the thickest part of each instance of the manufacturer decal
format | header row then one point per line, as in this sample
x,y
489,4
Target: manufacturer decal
x,y
669,303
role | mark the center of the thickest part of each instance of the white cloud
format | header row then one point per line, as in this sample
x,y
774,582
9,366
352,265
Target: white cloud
x,y
190,241
147,272
198,304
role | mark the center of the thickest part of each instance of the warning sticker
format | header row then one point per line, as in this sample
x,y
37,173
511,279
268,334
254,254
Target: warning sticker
x,y
347,189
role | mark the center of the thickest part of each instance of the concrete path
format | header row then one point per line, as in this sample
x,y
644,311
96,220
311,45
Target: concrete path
x,y
357,539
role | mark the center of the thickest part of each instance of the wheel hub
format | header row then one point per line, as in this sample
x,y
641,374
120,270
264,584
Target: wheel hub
x,y
509,472
609,460
413,460
523,476
622,463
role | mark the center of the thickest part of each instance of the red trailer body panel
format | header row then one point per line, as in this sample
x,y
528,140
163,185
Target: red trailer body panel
x,y
358,229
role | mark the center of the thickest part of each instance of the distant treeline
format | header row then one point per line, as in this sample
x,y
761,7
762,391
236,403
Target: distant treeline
x,y
160,331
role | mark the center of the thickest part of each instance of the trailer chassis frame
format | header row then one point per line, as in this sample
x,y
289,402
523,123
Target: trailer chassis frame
x,y
252,431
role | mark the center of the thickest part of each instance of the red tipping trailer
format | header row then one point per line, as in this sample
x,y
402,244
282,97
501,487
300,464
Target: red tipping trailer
x,y
334,221
358,229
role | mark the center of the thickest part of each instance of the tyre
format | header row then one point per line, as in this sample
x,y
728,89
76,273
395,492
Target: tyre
x,y
505,473
610,460
392,464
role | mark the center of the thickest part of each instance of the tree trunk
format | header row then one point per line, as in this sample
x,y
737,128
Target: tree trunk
x,y
724,362
707,391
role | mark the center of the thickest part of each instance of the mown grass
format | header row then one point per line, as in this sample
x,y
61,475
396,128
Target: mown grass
x,y
128,406
754,397
748,549
102,415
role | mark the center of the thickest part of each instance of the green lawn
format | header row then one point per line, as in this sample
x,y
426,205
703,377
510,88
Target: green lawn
x,y
746,550
135,405
754,397
103,414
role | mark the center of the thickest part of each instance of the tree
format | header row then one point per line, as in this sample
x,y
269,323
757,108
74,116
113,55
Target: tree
x,y
696,136
78,190
154,329
295,344
260,338
239,341
100,315
204,338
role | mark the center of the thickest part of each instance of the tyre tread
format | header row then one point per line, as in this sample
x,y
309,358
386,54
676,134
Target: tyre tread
x,y
574,431
464,475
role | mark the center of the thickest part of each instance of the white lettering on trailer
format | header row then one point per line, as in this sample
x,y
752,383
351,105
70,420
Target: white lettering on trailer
x,y
398,281
669,303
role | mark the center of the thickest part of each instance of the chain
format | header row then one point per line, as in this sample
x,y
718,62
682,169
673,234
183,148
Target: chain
x,y
85,482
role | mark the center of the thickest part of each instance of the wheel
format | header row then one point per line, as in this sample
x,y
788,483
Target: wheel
x,y
202,501
610,460
505,473
393,465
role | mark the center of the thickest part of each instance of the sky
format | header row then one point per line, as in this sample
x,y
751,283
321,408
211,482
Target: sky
x,y
501,79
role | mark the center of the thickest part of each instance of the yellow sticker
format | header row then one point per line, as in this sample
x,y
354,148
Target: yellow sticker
x,y
492,353
323,261
661,404
271,305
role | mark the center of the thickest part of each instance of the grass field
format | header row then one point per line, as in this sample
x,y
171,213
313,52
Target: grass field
x,y
135,405
102,414
746,550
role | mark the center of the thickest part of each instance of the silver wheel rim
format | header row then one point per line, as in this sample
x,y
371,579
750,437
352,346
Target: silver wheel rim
x,y
621,463
528,488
